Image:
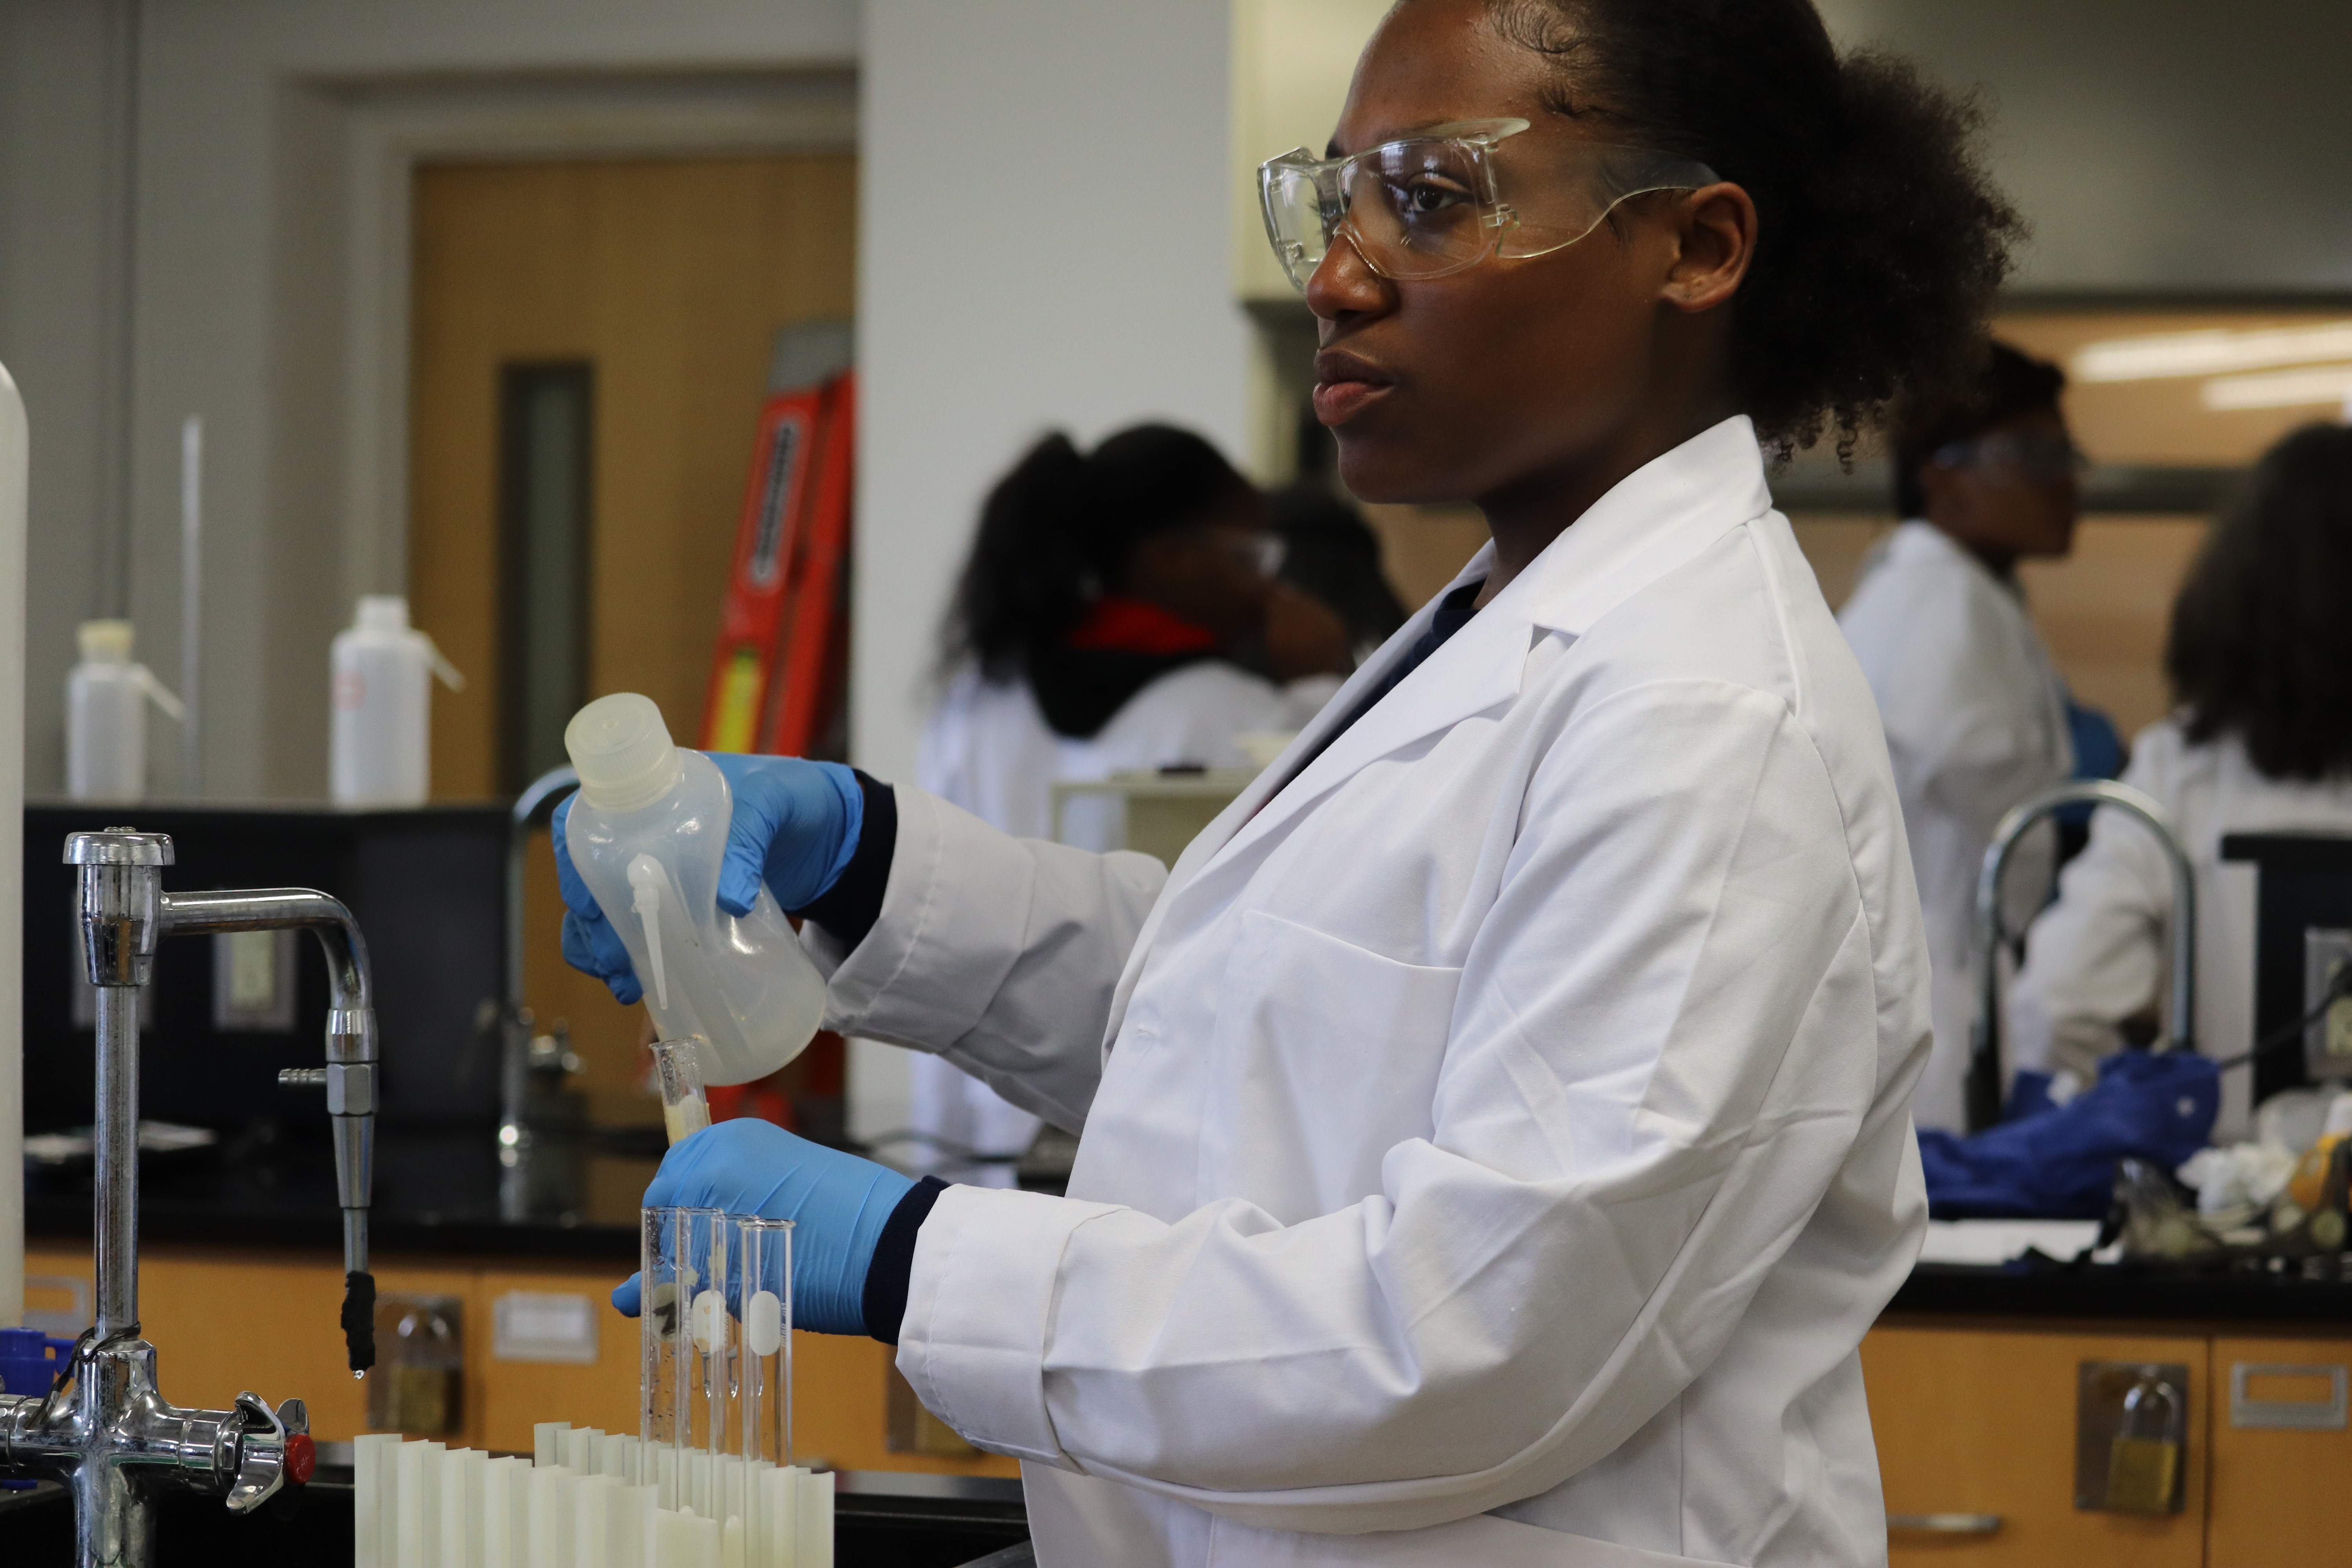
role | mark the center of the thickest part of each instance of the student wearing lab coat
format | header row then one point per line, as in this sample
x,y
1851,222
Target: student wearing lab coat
x,y
1976,715
1100,624
1494,1134
2261,742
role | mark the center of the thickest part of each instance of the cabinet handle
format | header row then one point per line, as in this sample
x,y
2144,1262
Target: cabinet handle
x,y
2248,1414
1946,1523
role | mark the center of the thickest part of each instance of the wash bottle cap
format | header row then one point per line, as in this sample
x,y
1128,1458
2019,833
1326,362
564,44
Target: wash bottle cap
x,y
383,612
104,642
623,752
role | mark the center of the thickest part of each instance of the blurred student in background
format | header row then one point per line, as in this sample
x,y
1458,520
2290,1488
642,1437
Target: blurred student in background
x,y
2260,660
1118,611
1330,554
1976,716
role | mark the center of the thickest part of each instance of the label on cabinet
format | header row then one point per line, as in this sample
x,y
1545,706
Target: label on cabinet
x,y
538,1326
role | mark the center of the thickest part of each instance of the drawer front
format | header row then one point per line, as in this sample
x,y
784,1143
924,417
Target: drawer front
x,y
1977,1426
2282,1452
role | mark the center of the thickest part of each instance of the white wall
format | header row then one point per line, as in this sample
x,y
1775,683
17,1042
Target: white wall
x,y
235,199
53,319
2152,144
1044,243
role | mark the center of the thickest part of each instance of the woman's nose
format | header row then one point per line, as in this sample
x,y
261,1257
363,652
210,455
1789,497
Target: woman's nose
x,y
1344,284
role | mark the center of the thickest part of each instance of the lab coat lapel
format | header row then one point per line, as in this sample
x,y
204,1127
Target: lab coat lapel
x,y
1242,813
1655,518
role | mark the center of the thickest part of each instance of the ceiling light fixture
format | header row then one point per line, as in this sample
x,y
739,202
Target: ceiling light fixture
x,y
2212,351
2280,389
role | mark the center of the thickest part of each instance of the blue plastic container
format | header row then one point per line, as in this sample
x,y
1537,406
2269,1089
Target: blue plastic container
x,y
29,1364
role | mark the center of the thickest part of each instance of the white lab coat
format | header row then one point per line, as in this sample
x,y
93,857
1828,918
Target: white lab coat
x,y
988,749
1495,1141
1976,722
2101,952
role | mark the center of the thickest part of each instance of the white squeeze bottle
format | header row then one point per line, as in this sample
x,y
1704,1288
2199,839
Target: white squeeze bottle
x,y
106,715
646,833
379,735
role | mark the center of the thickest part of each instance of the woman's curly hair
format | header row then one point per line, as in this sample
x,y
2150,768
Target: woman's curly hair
x,y
1881,239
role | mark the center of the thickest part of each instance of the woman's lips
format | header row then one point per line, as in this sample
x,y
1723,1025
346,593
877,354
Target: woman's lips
x,y
1345,385
1336,402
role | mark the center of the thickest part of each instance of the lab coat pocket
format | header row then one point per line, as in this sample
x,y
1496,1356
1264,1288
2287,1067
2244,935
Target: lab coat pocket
x,y
1326,1056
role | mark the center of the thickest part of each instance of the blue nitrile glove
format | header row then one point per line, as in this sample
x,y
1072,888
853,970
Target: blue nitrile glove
x,y
795,825
837,1202
795,822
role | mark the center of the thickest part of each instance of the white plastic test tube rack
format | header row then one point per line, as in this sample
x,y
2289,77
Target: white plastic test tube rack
x,y
585,1499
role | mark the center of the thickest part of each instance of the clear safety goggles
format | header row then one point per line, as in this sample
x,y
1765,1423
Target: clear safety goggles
x,y
1428,205
2031,456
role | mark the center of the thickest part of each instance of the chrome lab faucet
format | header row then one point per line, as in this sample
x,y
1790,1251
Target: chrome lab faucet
x,y
110,1438
1984,1078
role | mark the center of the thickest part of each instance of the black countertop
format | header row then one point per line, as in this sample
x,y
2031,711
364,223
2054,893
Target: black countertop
x,y
436,1194
880,1521
2122,1292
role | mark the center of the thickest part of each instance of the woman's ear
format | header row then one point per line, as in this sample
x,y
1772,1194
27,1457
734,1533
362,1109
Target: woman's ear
x,y
1714,232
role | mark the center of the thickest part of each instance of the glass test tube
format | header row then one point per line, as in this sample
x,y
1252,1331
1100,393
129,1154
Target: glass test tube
x,y
764,1248
677,1068
669,1365
705,1426
661,1311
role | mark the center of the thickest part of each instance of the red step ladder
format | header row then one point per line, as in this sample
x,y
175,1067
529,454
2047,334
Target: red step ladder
x,y
780,674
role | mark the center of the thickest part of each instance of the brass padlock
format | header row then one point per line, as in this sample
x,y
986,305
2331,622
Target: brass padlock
x,y
2144,1460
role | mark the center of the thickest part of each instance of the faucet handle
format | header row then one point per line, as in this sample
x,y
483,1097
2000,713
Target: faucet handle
x,y
274,1447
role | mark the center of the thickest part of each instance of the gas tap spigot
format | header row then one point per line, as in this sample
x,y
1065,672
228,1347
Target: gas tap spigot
x,y
349,1077
104,1429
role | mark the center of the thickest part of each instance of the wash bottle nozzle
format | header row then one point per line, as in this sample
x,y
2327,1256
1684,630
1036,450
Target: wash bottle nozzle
x,y
645,881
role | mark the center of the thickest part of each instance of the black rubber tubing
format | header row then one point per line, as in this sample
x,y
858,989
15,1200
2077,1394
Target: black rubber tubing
x,y
359,1318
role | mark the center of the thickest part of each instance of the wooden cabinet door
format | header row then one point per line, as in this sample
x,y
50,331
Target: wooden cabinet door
x,y
2281,1453
1976,1422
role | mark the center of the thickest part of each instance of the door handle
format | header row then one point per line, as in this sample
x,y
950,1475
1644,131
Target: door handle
x,y
1946,1523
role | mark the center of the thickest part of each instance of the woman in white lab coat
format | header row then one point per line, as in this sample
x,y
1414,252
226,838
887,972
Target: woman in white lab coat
x,y
1100,625
1976,716
2261,742
1495,1126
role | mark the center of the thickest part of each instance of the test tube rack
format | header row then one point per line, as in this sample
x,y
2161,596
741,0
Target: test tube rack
x,y
584,1499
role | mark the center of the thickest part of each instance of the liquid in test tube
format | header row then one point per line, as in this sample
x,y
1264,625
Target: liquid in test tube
x,y
677,1066
666,1286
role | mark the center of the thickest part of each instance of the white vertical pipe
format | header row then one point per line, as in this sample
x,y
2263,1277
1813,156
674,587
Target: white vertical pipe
x,y
372,1455
505,1507
15,455
814,1547
465,1478
192,605
592,1521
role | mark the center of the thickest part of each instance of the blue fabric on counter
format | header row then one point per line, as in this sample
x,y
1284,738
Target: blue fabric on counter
x,y
2058,1162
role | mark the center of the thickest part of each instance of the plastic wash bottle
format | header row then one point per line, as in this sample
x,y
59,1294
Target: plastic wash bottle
x,y
646,833
379,733
106,715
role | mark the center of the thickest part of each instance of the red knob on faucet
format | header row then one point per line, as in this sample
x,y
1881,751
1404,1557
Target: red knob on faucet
x,y
302,1457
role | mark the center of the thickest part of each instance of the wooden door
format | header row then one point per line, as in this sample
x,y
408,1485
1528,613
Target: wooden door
x,y
1976,1422
666,280
2281,1453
